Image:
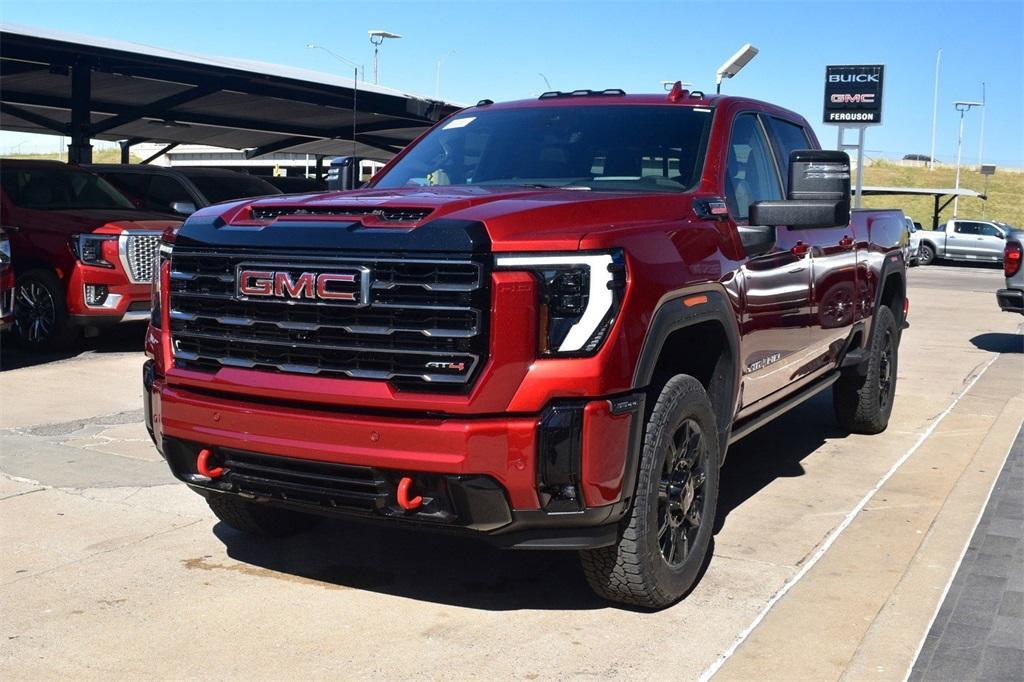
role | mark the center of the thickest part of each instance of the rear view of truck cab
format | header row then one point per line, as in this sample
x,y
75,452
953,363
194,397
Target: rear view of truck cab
x,y
540,325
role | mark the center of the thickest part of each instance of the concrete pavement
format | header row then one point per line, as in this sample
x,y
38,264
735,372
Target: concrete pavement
x,y
112,569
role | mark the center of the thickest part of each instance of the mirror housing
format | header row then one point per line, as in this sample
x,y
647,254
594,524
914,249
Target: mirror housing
x,y
183,207
819,192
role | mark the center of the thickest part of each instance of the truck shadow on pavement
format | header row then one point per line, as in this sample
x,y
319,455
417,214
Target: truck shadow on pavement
x,y
468,573
999,342
123,338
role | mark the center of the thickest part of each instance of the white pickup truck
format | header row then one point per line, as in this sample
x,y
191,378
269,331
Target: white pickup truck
x,y
964,240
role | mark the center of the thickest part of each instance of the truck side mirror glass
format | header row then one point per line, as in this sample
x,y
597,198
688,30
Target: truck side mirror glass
x,y
183,207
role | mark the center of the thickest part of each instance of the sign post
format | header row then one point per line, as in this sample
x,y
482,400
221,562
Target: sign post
x,y
986,169
853,101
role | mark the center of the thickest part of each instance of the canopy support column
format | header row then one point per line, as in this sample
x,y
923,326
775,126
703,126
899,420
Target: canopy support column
x,y
80,150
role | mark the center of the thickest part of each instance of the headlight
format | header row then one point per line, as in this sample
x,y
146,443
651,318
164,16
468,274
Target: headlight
x,y
580,295
89,248
163,255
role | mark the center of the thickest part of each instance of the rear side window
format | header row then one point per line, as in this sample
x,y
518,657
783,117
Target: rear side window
x,y
966,228
751,175
789,137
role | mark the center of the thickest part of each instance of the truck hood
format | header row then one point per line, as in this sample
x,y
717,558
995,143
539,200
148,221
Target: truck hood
x,y
514,217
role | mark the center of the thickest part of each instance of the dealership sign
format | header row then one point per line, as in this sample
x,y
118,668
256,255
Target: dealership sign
x,y
853,95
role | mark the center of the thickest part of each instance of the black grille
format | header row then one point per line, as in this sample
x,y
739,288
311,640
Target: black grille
x,y
424,327
306,482
391,215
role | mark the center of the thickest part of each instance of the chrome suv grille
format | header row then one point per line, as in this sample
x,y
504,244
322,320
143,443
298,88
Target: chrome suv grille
x,y
421,324
138,252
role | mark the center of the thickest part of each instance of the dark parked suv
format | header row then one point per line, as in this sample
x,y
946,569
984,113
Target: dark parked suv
x,y
181,190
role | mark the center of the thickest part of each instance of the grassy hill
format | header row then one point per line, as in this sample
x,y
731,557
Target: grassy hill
x,y
1005,192
98,156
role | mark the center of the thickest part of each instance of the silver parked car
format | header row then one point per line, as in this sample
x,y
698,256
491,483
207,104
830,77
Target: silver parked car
x,y
964,240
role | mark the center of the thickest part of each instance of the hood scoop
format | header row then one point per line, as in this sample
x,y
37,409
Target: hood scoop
x,y
384,214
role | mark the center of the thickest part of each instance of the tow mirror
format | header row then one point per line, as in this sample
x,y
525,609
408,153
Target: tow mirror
x,y
819,192
183,207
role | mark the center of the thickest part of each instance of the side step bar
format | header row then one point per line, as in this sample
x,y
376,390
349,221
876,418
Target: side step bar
x,y
756,421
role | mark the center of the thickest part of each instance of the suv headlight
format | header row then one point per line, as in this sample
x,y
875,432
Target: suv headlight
x,y
580,295
89,248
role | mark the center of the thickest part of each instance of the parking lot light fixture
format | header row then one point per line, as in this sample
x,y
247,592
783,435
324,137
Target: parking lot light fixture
x,y
377,37
962,107
733,65
359,67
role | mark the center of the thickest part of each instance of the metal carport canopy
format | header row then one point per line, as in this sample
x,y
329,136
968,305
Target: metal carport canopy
x,y
936,192
93,88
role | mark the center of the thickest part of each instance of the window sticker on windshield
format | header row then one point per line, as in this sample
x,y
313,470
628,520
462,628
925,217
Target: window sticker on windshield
x,y
459,123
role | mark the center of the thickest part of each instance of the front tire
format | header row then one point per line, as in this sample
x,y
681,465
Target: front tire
x,y
925,254
259,519
40,312
863,403
665,538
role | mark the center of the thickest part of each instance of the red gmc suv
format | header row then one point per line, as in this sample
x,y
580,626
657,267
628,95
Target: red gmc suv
x,y
83,254
542,324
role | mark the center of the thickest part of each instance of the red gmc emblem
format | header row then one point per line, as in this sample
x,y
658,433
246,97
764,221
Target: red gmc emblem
x,y
338,287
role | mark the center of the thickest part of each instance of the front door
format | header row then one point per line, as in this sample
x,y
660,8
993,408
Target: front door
x,y
776,283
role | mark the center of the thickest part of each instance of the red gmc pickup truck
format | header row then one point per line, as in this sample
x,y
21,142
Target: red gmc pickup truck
x,y
542,324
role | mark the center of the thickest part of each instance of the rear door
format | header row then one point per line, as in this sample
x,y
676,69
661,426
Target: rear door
x,y
833,265
962,240
776,283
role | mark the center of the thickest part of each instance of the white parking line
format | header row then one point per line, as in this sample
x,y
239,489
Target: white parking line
x,y
720,661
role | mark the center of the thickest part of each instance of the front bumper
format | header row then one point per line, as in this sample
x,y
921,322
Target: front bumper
x,y
124,301
1011,300
498,477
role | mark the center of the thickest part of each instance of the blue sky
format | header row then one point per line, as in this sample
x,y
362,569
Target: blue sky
x,y
502,47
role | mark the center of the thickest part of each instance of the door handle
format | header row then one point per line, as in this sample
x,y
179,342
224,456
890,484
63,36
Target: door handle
x,y
846,242
799,249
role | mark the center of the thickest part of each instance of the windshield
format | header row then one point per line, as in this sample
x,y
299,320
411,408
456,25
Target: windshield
x,y
611,148
217,188
60,189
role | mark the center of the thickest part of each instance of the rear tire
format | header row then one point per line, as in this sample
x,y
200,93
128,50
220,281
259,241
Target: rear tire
x,y
665,538
41,319
925,254
863,403
259,519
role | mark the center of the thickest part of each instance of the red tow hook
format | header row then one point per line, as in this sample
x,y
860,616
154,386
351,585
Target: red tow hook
x,y
203,465
403,495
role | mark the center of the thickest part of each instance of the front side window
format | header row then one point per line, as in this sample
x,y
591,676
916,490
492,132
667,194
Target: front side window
x,y
789,137
750,171
217,188
645,148
58,189
988,230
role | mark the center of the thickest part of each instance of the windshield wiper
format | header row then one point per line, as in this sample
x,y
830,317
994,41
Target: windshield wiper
x,y
539,185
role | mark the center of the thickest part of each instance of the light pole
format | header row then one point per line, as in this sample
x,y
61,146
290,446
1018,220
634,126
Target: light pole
x,y
981,144
734,64
360,72
935,109
962,107
376,38
437,78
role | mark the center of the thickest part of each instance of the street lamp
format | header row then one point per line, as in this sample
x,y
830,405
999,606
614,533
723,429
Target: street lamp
x,y
935,109
376,38
962,107
437,78
360,73
733,65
